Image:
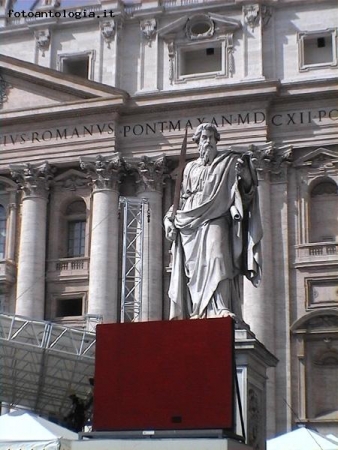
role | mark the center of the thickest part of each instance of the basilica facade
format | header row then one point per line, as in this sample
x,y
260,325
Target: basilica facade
x,y
95,99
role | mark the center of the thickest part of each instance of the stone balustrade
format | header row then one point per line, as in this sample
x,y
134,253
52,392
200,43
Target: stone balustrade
x,y
314,253
68,268
7,271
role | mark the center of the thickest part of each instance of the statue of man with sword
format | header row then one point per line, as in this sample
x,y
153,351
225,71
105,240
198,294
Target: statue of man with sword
x,y
215,229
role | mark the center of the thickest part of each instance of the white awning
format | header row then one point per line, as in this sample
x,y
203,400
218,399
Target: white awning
x,y
301,439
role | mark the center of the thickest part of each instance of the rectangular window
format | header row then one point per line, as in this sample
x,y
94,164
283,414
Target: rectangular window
x,y
76,238
78,66
203,60
317,49
69,307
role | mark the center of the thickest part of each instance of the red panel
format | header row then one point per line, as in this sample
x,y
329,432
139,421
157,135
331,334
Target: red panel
x,y
164,375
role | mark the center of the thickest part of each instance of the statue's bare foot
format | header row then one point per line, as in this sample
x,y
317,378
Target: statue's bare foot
x,y
226,313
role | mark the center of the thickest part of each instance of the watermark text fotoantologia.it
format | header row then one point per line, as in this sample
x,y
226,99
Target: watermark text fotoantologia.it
x,y
61,14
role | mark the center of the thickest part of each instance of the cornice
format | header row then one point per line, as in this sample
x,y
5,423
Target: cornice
x,y
66,110
320,88
211,95
54,79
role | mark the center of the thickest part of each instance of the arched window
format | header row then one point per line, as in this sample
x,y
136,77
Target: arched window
x,y
2,232
76,229
324,212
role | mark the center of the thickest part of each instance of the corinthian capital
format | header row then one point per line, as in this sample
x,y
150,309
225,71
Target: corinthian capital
x,y
150,173
103,173
34,181
268,157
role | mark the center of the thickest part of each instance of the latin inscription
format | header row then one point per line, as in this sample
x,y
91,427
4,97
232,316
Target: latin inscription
x,y
226,121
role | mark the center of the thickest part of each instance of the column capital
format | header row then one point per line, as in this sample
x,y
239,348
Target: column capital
x,y
104,173
269,158
149,173
33,181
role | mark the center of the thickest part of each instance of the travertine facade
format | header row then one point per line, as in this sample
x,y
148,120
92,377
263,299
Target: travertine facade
x,y
265,73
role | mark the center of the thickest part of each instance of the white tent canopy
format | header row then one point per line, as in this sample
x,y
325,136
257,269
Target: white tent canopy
x,y
301,439
27,431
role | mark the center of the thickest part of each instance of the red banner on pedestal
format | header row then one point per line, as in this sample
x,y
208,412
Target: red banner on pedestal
x,y
164,375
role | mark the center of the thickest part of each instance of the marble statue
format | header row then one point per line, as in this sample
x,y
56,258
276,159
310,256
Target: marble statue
x,y
215,233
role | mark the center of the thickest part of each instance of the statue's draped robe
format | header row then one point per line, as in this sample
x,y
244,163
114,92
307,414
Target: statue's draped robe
x,y
219,239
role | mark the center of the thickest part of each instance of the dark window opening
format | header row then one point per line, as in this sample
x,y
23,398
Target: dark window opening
x,y
69,307
78,66
210,51
321,42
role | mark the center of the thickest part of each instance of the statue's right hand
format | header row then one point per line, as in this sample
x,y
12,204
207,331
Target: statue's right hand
x,y
170,229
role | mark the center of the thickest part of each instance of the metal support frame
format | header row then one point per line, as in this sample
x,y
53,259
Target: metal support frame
x,y
42,363
132,258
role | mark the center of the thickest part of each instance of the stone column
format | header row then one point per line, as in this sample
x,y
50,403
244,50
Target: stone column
x,y
34,183
105,176
150,174
258,305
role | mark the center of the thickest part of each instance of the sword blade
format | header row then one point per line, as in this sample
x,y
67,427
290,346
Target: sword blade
x,y
179,178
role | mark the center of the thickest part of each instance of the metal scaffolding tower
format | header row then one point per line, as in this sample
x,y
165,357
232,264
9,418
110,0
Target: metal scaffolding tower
x,y
132,258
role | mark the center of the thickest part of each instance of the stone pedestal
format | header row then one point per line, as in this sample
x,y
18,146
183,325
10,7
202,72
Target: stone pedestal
x,y
252,362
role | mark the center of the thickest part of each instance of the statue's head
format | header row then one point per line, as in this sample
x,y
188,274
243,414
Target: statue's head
x,y
206,136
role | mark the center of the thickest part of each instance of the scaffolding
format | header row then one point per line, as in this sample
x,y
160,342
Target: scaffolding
x,y
132,258
43,363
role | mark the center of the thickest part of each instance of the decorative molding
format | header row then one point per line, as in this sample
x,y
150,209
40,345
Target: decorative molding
x,y
42,39
104,174
33,181
252,15
194,27
4,88
171,53
181,36
148,28
230,53
322,292
71,180
323,322
321,159
149,173
108,30
255,418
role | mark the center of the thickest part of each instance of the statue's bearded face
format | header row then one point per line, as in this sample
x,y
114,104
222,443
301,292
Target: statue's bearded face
x,y
207,146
